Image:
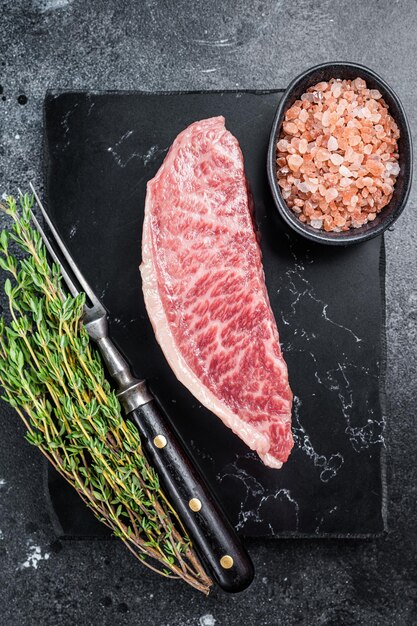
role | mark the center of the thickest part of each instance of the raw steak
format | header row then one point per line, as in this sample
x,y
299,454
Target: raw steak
x,y
205,293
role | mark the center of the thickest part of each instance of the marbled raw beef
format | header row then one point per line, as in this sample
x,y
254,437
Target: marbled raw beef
x,y
205,291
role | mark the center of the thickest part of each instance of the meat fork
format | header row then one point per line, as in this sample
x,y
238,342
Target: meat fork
x,y
211,532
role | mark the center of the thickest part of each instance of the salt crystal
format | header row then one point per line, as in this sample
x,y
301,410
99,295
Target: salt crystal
x,y
318,96
322,154
303,115
332,143
325,119
290,128
374,93
292,113
345,182
359,83
345,171
374,167
354,140
282,145
303,187
294,162
341,108
307,97
331,194
302,146
336,159
336,90
393,168
316,223
349,154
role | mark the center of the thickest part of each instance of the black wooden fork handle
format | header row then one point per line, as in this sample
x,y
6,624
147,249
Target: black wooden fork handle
x,y
212,534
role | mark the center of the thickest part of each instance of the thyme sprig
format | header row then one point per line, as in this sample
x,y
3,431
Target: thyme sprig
x,y
55,380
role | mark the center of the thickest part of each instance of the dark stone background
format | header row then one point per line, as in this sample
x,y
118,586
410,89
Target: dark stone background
x,y
164,45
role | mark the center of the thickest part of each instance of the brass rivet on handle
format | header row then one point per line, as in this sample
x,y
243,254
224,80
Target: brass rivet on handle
x,y
160,441
226,561
195,504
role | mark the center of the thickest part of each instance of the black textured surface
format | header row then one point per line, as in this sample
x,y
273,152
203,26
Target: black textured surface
x,y
101,149
160,45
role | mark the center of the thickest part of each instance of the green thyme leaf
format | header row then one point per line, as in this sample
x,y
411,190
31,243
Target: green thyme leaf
x,y
54,378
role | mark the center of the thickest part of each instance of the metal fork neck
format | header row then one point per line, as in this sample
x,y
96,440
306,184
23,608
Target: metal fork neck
x,y
131,391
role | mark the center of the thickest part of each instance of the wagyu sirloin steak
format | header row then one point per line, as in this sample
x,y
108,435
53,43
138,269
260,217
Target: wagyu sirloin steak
x,y
205,292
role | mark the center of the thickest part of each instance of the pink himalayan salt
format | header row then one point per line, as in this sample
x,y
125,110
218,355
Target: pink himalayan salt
x,y
336,159
322,155
332,144
303,146
294,162
336,89
338,148
375,94
331,194
374,167
282,145
290,128
325,118
344,171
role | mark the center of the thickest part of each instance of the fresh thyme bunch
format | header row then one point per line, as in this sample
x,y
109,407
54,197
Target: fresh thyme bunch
x,y
55,380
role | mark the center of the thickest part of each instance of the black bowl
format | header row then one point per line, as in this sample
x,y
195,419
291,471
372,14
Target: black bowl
x,y
393,210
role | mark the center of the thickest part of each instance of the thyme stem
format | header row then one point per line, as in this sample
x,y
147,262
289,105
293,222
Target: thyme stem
x,y
54,378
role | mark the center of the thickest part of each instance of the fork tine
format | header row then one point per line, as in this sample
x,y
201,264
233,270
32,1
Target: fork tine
x,y
71,286
83,283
